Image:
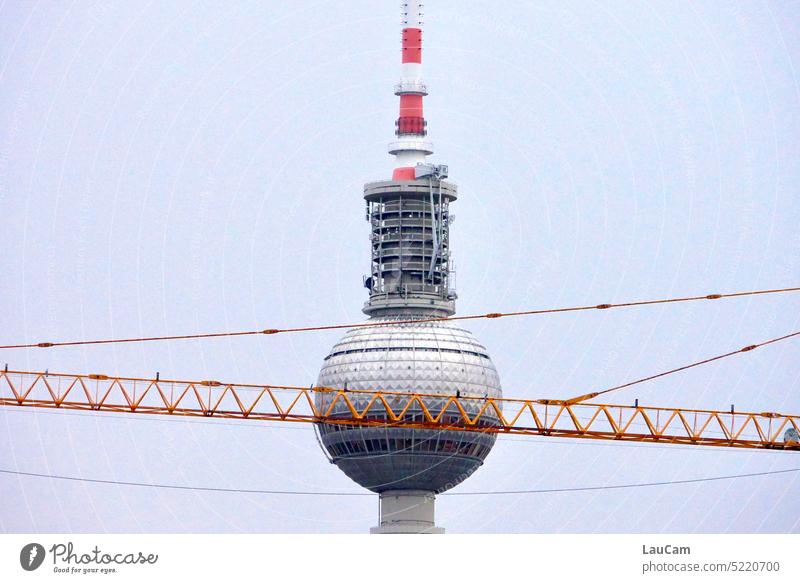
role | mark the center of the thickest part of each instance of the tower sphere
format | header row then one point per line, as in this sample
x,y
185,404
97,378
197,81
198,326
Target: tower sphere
x,y
437,358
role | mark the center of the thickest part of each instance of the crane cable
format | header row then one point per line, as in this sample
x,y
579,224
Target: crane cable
x,y
491,315
324,493
748,348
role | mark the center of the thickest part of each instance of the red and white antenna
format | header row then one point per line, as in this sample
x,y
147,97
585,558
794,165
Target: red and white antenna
x,y
410,148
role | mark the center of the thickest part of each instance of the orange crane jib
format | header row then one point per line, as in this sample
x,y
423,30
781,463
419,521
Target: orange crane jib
x,y
544,417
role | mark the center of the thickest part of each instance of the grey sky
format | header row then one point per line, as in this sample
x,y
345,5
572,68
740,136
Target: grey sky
x,y
173,167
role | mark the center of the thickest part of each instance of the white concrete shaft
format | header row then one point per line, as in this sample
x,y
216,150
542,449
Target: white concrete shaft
x,y
407,512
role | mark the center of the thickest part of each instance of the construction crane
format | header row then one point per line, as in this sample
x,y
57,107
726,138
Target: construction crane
x,y
572,418
543,417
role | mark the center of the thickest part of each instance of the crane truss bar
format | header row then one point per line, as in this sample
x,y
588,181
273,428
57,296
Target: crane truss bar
x,y
544,417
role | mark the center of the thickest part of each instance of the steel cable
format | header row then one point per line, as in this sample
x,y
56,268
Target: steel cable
x,y
490,315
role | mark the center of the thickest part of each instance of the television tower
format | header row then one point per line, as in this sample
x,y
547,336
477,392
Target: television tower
x,y
410,279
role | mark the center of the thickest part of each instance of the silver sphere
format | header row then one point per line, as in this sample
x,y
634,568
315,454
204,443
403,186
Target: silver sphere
x,y
436,358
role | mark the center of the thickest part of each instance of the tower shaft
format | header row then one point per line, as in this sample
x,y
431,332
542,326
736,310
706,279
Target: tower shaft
x,y
407,512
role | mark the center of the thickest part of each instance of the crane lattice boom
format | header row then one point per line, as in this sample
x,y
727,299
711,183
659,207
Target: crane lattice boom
x,y
545,417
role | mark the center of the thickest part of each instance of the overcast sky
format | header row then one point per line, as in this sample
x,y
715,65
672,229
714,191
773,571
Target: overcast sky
x,y
173,167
